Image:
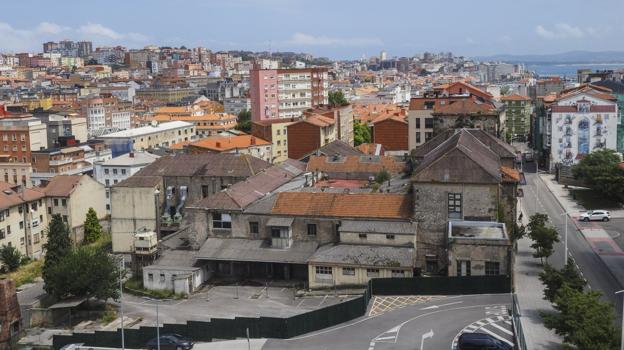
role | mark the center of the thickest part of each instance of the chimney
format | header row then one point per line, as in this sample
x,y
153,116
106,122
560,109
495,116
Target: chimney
x,y
218,144
253,140
131,154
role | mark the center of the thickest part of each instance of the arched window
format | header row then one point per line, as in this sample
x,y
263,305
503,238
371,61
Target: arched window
x,y
583,136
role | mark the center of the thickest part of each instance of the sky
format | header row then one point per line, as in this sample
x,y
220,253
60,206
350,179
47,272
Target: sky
x,y
339,29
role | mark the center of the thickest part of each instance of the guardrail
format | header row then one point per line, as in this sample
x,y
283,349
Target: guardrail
x,y
517,325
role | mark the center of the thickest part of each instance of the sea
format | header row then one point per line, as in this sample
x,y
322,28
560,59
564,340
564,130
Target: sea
x,y
569,69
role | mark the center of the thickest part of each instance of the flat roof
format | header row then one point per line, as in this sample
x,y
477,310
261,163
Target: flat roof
x,y
477,230
146,130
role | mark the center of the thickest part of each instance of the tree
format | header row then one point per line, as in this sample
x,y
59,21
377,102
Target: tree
x,y
382,176
518,232
244,121
92,227
10,257
554,279
583,320
84,272
544,238
57,246
337,98
361,133
600,171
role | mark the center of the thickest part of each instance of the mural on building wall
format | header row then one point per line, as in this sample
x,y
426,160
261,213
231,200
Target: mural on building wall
x,y
583,136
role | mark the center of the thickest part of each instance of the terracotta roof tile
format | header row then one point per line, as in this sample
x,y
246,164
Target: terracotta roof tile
x,y
62,185
515,97
367,205
355,164
227,143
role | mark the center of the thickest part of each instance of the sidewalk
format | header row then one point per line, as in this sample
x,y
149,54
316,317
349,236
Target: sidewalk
x,y
529,290
600,241
238,344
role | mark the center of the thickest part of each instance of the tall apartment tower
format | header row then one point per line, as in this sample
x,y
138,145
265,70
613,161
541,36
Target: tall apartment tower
x,y
286,93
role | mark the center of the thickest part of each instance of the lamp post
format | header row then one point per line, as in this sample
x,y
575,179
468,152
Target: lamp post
x,y
622,338
121,268
157,301
565,239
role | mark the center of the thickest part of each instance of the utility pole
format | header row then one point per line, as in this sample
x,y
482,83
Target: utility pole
x,y
121,268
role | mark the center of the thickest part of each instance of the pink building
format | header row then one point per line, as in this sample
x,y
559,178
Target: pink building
x,y
264,94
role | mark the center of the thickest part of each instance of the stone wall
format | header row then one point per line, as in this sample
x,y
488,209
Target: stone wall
x,y
10,316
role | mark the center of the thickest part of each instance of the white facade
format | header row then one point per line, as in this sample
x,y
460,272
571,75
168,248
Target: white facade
x,y
580,124
121,119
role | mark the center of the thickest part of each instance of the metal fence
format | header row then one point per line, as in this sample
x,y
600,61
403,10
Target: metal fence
x,y
517,325
282,328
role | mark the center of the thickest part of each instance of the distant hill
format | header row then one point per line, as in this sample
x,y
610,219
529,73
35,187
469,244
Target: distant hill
x,y
565,57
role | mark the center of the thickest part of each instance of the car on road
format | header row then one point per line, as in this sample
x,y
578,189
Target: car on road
x,y
595,215
170,342
481,341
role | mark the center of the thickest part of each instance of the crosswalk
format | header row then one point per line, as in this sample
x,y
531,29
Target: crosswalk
x,y
497,323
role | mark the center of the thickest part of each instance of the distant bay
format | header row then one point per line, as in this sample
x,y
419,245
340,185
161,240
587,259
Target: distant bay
x,y
569,69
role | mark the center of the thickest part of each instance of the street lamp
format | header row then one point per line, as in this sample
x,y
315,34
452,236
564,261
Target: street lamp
x,y
565,239
622,338
157,301
121,268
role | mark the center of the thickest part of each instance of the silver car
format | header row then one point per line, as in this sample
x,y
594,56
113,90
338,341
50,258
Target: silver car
x,y
595,215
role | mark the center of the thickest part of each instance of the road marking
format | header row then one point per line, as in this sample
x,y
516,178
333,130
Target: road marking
x,y
301,302
496,336
439,306
322,301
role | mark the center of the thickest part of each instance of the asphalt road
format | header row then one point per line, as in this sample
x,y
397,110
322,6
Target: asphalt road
x,y
403,328
592,268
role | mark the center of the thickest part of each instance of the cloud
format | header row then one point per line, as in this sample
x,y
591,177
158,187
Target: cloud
x,y
302,39
563,31
16,39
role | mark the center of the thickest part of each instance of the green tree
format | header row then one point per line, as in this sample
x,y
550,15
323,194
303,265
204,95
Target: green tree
x,y
518,232
544,238
554,279
337,98
244,121
84,272
600,171
361,133
382,176
57,246
92,227
583,320
10,257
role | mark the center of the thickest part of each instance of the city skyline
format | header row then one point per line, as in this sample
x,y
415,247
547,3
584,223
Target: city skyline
x,y
337,30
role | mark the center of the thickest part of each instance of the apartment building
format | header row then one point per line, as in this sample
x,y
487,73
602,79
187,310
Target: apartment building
x,y
106,112
343,115
518,111
23,218
391,131
20,134
206,124
151,136
286,93
309,134
15,173
60,125
276,132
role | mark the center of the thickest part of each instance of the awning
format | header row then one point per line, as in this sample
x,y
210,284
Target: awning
x,y
277,221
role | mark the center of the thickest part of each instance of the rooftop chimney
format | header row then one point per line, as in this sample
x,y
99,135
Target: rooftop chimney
x,y
218,144
131,154
253,140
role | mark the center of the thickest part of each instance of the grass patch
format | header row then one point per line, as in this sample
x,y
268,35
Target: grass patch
x,y
135,286
104,242
25,273
591,199
110,314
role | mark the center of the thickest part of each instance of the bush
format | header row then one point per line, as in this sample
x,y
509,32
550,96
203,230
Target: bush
x,y
10,257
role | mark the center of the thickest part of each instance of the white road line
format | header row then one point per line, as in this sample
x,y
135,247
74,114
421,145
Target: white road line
x,y
496,336
508,322
384,338
301,302
502,329
322,301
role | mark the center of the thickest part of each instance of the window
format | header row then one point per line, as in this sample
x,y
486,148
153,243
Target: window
x,y
64,202
221,221
372,272
107,194
398,273
106,171
492,268
65,218
162,277
123,171
33,205
253,227
463,267
454,205
114,171
21,224
348,271
107,182
429,123
311,229
36,238
417,123
2,233
418,140
389,236
428,136
22,240
49,210
150,277
108,207
362,235
56,202
323,272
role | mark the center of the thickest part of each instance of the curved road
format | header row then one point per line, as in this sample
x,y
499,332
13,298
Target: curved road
x,y
402,328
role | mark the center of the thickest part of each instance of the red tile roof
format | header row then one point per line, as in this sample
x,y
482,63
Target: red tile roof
x,y
515,97
62,185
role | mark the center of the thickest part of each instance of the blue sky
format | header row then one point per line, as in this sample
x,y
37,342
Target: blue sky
x,y
336,28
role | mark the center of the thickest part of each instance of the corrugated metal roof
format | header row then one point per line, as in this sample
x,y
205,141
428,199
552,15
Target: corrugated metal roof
x,y
255,250
364,255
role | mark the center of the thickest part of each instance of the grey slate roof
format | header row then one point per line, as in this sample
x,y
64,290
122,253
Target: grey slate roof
x,y
391,227
255,250
336,147
175,260
498,146
364,255
139,181
205,164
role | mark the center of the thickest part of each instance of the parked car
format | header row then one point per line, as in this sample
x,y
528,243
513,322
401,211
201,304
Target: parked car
x,y
595,215
170,342
481,341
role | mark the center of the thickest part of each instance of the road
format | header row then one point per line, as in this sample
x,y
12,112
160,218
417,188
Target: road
x,y
590,265
402,328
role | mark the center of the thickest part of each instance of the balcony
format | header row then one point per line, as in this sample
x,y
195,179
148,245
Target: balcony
x,y
61,161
